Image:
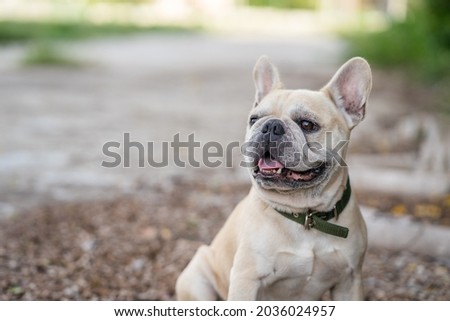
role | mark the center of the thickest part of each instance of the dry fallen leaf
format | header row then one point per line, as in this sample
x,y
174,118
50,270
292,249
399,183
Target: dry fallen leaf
x,y
427,211
166,234
399,210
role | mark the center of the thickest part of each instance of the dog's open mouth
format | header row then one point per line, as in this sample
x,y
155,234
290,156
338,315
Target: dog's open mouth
x,y
272,169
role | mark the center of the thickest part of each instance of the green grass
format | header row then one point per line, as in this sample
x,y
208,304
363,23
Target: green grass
x,y
284,4
44,36
47,53
13,31
419,46
415,45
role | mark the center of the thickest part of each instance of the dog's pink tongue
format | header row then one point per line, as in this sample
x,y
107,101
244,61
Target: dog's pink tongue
x,y
267,163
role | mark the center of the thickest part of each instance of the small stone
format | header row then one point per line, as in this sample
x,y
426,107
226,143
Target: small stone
x,y
420,270
441,271
138,264
380,294
71,291
12,264
149,233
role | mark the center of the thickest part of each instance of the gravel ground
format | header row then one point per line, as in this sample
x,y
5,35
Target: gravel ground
x,y
134,247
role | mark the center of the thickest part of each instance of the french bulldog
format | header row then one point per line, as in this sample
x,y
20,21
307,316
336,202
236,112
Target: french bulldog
x,y
299,232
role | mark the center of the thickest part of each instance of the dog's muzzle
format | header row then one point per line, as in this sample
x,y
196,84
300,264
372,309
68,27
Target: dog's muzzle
x,y
273,131
273,165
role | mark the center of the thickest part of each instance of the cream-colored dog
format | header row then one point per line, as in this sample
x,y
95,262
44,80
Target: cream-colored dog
x,y
299,232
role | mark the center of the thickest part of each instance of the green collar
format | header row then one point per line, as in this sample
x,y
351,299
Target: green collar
x,y
318,220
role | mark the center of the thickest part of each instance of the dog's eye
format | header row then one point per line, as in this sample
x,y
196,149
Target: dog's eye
x,y
308,126
253,120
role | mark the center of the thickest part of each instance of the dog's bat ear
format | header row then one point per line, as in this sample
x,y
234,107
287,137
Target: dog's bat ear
x,y
350,88
265,77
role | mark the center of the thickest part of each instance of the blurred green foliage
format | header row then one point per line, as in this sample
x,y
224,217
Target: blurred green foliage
x,y
284,4
11,31
45,52
43,37
420,43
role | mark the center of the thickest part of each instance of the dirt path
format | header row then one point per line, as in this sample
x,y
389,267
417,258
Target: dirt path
x,y
55,121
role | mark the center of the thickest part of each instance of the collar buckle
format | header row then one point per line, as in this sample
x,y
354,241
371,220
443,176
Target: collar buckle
x,y
319,220
309,221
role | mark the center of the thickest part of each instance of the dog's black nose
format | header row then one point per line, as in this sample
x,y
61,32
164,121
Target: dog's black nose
x,y
273,128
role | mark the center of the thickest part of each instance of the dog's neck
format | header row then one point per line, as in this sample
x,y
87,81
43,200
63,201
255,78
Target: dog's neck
x,y
322,198
319,220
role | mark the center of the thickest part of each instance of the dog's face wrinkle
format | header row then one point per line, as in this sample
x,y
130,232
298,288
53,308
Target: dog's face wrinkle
x,y
291,150
300,151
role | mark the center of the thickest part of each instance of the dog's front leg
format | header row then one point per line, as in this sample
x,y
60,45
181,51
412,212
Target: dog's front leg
x,y
350,288
244,284
242,287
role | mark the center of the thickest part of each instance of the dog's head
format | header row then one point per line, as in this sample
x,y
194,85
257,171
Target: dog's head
x,y
296,139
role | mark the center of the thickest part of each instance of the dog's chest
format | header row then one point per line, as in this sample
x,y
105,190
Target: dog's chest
x,y
301,272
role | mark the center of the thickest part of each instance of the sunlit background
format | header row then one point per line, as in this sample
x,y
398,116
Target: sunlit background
x,y
77,74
